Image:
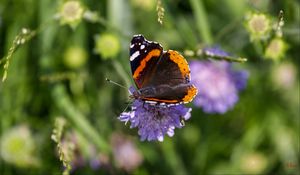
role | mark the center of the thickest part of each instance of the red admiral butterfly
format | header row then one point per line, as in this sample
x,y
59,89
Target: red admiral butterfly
x,y
160,76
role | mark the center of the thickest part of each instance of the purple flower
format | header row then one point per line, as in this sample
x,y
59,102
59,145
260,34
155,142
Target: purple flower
x,y
95,163
126,154
154,121
218,84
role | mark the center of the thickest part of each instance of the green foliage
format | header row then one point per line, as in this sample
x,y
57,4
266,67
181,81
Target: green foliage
x,y
65,149
54,65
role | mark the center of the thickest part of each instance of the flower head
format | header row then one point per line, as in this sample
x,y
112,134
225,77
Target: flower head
x,y
276,49
154,121
125,152
258,26
284,75
107,45
17,147
218,84
71,13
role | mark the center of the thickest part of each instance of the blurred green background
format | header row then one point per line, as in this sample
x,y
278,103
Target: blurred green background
x,y
62,59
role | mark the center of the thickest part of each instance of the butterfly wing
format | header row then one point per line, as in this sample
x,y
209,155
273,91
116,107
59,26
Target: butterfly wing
x,y
170,80
144,56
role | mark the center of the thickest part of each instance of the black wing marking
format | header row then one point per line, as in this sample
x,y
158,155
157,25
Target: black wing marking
x,y
144,55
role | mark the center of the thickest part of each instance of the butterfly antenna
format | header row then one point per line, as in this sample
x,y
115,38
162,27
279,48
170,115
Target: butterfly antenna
x,y
125,110
126,107
115,83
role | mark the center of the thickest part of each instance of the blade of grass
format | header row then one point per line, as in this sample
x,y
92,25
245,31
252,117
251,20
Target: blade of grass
x,y
172,157
202,21
64,103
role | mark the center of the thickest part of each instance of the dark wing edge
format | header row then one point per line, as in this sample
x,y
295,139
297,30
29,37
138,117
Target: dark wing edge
x,y
144,56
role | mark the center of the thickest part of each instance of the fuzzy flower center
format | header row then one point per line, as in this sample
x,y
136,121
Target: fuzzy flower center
x,y
259,24
157,115
275,46
72,11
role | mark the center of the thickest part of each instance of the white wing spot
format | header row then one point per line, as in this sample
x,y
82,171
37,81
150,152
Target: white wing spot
x,y
151,102
132,45
134,55
142,47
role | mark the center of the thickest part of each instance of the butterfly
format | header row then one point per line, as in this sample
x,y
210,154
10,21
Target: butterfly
x,y
162,77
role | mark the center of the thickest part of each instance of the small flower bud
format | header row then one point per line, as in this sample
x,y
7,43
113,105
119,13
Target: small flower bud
x,y
189,53
276,49
75,57
107,45
253,163
147,5
91,16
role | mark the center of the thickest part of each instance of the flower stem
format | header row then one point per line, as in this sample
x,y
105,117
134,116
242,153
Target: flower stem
x,y
64,103
226,58
174,161
229,28
258,47
201,21
203,55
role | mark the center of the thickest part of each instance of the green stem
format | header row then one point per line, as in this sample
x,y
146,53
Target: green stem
x,y
227,58
203,55
201,20
64,103
258,47
174,161
229,28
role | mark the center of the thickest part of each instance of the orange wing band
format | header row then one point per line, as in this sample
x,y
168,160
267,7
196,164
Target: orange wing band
x,y
192,92
181,62
153,53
